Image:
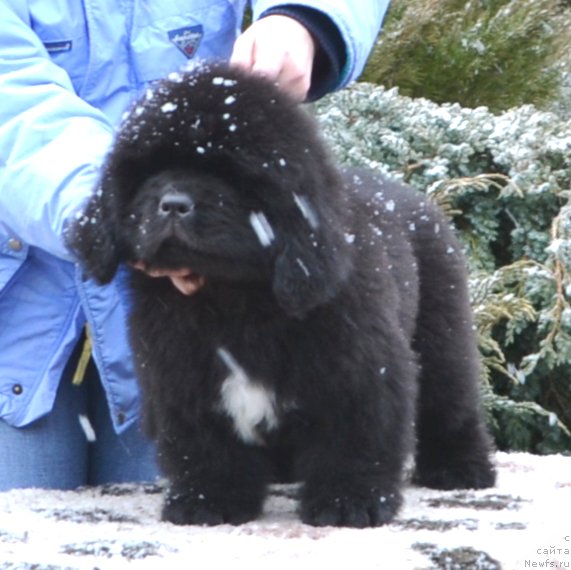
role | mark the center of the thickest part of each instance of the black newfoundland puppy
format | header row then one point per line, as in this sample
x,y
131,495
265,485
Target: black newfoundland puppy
x,y
330,334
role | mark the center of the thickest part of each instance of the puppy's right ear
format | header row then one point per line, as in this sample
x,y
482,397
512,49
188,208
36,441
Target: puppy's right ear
x,y
92,236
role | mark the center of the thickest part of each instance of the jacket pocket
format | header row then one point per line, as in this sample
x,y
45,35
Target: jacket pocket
x,y
168,36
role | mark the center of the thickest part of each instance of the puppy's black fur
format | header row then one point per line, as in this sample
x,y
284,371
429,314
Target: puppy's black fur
x,y
333,334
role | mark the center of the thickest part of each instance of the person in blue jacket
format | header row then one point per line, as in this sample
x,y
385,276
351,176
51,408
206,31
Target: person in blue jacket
x,y
68,71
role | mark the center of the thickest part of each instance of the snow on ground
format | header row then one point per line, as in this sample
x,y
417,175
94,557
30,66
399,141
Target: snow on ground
x,y
522,523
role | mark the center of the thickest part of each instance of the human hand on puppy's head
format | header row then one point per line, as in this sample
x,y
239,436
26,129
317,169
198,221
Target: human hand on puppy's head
x,y
280,49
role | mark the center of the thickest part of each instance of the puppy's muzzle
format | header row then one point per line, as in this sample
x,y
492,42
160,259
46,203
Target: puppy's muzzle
x,y
175,205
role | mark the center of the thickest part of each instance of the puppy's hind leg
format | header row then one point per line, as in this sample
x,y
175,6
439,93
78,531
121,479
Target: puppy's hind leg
x,y
453,446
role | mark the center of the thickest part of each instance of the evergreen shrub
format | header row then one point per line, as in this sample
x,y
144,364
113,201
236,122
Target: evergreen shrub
x,y
505,181
498,53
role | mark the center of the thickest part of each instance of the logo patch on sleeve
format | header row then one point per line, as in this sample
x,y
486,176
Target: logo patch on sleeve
x,y
187,39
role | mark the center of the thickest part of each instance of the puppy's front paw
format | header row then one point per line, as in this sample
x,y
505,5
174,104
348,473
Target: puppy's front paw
x,y
184,509
351,510
188,512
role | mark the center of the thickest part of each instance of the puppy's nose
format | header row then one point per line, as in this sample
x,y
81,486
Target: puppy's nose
x,y
175,204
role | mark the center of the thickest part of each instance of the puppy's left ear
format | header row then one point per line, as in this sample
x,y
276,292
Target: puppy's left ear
x,y
93,236
308,274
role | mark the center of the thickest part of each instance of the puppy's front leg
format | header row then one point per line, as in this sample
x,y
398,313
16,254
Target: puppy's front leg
x,y
213,478
352,466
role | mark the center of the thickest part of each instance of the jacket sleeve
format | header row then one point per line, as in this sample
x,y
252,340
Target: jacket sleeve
x,y
51,141
358,24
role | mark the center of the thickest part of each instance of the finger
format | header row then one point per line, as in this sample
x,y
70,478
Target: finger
x,y
268,61
242,54
154,272
158,272
188,286
254,51
295,78
290,70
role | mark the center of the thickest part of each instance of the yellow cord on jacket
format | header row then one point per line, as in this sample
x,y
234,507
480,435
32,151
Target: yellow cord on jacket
x,y
83,359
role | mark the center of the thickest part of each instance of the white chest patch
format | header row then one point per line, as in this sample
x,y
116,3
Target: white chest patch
x,y
248,404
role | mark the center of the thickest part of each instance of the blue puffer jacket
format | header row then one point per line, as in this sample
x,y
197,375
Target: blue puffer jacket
x,y
68,70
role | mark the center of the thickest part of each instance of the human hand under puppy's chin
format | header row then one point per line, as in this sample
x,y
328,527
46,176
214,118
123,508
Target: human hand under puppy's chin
x,y
184,280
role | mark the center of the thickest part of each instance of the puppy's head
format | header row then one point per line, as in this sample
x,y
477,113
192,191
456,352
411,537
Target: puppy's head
x,y
220,172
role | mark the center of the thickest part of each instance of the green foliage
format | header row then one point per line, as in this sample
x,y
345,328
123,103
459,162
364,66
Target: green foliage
x,y
505,182
497,53
525,426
